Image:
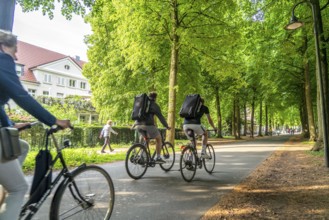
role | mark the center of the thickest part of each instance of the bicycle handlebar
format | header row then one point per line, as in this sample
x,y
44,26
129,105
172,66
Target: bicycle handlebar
x,y
53,129
28,125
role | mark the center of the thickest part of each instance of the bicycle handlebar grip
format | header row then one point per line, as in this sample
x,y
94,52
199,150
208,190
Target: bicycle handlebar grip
x,y
29,125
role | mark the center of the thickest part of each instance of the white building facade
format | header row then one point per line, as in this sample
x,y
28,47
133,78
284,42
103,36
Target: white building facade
x,y
47,73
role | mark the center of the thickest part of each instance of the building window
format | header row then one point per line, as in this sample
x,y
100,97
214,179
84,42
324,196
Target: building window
x,y
61,81
72,83
83,118
60,95
31,92
83,85
47,78
94,118
19,69
45,93
67,67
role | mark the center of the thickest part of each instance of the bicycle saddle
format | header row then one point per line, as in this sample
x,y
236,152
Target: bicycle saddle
x,y
190,132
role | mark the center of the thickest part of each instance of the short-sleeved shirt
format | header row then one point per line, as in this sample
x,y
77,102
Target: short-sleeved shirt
x,y
197,120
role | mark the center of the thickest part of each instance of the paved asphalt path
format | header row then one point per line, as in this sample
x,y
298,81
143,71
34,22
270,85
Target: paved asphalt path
x,y
163,195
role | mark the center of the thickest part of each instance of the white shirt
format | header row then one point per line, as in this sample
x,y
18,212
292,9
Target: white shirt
x,y
107,130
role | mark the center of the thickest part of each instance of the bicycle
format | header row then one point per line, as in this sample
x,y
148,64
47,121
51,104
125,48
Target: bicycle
x,y
190,159
87,192
139,157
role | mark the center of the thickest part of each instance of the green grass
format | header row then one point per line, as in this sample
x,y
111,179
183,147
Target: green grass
x,y
89,155
76,156
316,153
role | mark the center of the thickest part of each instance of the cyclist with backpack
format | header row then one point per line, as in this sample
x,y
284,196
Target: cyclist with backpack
x,y
147,124
194,123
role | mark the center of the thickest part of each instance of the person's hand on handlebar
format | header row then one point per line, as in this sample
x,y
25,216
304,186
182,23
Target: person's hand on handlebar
x,y
21,125
63,123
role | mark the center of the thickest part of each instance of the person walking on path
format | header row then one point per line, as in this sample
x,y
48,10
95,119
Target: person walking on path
x,y
106,133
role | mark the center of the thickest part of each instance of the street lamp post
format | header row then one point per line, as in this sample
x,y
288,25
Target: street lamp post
x,y
320,73
7,10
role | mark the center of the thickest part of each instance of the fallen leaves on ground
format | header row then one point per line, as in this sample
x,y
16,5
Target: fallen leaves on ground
x,y
290,184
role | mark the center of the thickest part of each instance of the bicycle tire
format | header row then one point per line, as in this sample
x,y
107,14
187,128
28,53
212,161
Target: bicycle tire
x,y
96,198
188,164
168,154
209,163
136,161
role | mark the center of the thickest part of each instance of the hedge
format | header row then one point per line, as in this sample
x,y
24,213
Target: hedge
x,y
84,136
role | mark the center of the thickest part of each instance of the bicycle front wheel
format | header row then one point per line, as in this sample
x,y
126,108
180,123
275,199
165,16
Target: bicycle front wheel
x,y
209,163
136,161
87,194
168,154
188,164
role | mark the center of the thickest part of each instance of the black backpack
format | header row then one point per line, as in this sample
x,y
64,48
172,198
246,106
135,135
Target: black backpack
x,y
141,107
191,106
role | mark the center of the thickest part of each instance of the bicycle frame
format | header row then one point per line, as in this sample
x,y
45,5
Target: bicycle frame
x,y
30,209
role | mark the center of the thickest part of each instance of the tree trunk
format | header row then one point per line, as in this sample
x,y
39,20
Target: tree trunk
x,y
233,118
260,118
266,120
308,102
173,72
319,141
219,114
245,119
252,114
7,12
322,77
237,119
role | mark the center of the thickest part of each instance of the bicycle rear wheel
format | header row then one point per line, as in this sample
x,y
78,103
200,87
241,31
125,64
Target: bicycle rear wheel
x,y
188,164
136,161
168,154
209,163
87,194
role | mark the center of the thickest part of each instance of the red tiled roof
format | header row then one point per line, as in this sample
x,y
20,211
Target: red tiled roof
x,y
32,56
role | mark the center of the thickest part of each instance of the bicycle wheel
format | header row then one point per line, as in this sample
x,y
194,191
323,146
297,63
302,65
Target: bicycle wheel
x,y
209,164
87,194
136,161
188,164
168,154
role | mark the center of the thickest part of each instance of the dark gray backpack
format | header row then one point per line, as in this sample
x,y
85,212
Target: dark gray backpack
x,y
141,107
191,106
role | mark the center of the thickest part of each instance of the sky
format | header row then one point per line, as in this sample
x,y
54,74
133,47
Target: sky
x,y
59,35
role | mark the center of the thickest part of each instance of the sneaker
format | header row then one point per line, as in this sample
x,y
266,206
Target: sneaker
x,y
159,160
205,156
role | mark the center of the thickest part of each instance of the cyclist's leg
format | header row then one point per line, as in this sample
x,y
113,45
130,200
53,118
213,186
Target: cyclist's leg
x,y
204,141
158,145
13,180
152,132
187,127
